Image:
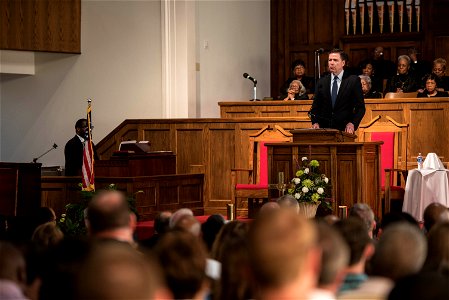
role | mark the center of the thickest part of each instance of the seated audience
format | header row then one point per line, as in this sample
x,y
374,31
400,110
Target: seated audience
x,y
431,88
354,232
299,73
47,235
400,252
439,69
284,255
113,270
189,224
428,286
435,213
178,215
183,258
288,202
108,216
231,250
366,214
268,207
12,273
366,88
404,81
295,91
438,249
334,260
211,228
161,223
419,67
367,69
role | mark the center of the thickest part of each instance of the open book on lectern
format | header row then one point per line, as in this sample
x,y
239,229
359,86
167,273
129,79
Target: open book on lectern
x,y
134,147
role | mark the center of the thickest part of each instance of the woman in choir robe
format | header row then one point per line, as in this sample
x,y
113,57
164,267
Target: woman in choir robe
x,y
431,88
439,69
368,93
404,81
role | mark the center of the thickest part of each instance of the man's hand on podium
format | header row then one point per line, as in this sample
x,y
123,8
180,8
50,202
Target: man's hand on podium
x,y
349,128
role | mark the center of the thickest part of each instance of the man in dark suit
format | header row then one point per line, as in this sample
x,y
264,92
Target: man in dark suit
x,y
73,150
338,101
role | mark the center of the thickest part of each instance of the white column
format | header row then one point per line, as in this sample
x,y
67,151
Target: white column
x,y
178,58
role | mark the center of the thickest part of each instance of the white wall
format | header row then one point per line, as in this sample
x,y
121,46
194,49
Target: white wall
x,y
119,69
238,35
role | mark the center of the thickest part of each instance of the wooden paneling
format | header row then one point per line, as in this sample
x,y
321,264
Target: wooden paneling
x,y
152,193
428,130
212,145
353,168
41,25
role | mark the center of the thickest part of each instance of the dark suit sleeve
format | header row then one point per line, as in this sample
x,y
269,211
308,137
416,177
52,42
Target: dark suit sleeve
x,y
359,104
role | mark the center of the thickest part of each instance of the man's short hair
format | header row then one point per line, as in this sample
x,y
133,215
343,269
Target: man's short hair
x,y
108,210
79,123
335,253
434,213
343,55
354,232
289,202
114,270
279,244
401,251
183,257
364,212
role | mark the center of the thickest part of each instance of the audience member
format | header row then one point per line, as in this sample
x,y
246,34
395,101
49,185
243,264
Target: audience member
x,y
12,273
47,235
367,69
438,249
431,88
299,73
113,270
284,255
178,215
354,232
401,251
417,66
269,206
189,224
295,91
404,81
392,218
433,214
183,257
368,93
428,286
231,250
210,229
384,67
288,202
439,69
161,225
109,217
334,260
366,214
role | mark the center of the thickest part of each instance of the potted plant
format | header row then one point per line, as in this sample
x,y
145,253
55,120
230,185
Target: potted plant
x,y
310,187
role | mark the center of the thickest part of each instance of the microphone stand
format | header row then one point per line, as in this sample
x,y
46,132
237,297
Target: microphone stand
x,y
317,67
52,148
255,92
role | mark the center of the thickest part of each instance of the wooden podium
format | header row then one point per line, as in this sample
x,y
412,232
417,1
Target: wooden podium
x,y
352,167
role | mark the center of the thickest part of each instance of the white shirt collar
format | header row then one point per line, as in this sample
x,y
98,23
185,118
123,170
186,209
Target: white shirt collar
x,y
81,138
340,76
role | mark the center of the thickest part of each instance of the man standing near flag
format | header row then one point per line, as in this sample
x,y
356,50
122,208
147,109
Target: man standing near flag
x,y
73,150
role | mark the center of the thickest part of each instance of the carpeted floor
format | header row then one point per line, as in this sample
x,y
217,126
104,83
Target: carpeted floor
x,y
145,229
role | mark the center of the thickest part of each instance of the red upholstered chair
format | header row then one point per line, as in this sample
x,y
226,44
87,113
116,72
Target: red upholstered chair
x,y
393,157
392,190
251,183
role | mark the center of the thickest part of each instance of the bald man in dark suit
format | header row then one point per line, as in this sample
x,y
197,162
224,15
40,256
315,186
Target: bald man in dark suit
x,y
338,101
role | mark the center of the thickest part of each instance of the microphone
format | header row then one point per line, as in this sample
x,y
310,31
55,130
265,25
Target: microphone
x,y
319,51
52,148
246,75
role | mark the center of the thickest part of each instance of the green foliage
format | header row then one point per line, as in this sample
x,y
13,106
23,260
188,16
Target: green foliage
x,y
72,221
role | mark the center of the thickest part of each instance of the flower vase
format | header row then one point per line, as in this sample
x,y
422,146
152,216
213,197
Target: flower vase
x,y
308,210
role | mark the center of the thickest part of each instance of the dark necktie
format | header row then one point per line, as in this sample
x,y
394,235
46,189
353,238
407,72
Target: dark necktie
x,y
334,91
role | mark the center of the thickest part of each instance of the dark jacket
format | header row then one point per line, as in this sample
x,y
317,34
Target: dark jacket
x,y
349,106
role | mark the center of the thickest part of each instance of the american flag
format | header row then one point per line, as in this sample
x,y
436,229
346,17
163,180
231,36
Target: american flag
x,y
88,156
